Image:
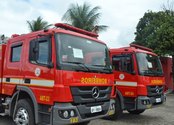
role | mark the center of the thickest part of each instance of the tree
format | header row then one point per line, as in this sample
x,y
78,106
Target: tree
x,y
84,17
38,24
169,5
156,31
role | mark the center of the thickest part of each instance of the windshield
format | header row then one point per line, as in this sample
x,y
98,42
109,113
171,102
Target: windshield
x,y
149,64
76,53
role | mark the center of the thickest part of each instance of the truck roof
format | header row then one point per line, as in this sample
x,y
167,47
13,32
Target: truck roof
x,y
132,49
67,30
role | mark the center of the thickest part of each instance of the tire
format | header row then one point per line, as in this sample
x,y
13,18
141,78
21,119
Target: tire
x,y
24,114
2,110
136,112
118,110
83,123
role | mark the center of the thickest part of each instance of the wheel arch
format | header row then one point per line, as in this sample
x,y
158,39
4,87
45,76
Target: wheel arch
x,y
121,98
26,93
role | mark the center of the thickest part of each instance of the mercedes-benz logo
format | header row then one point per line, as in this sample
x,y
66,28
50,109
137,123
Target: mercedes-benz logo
x,y
95,92
157,90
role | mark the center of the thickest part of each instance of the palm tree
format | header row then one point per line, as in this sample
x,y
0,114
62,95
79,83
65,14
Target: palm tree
x,y
38,24
84,17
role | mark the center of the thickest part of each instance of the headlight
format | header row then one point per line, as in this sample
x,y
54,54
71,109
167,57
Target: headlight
x,y
65,114
72,114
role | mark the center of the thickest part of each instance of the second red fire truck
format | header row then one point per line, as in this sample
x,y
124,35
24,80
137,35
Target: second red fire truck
x,y
139,79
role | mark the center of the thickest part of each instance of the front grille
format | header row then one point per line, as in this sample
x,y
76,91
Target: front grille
x,y
84,100
155,91
83,94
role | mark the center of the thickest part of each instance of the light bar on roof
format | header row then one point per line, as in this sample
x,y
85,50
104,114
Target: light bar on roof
x,y
75,29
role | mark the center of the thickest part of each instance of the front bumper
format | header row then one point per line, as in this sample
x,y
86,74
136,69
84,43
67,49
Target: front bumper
x,y
83,112
144,102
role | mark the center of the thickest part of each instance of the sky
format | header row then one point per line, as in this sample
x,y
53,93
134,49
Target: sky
x,y
121,16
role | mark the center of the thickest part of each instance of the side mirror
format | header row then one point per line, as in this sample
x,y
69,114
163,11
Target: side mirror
x,y
35,50
50,65
133,72
36,53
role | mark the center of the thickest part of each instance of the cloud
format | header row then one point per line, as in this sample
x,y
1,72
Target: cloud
x,y
50,16
110,37
121,16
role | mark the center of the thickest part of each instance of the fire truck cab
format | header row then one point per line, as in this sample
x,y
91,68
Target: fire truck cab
x,y
139,79
51,77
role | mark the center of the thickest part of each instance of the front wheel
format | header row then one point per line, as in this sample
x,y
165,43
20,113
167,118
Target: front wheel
x,y
24,114
83,123
118,110
136,112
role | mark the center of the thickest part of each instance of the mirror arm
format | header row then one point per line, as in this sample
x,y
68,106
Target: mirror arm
x,y
50,65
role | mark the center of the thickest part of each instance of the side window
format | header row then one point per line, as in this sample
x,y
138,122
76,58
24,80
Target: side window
x,y
123,63
116,62
128,64
16,53
43,54
40,51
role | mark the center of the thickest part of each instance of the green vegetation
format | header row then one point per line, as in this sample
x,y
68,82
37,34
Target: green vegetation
x,y
84,17
156,31
38,24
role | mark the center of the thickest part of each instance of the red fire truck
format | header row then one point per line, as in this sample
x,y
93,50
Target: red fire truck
x,y
139,79
52,77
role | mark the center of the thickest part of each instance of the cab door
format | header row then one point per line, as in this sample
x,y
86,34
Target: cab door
x,y
39,68
125,75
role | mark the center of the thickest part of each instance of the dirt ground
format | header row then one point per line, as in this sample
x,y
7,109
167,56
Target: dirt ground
x,y
163,115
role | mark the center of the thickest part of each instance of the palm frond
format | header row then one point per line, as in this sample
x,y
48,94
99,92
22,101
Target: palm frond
x,y
99,28
83,16
38,24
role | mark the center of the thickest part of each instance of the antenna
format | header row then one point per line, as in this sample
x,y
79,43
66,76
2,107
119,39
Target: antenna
x,y
141,47
75,29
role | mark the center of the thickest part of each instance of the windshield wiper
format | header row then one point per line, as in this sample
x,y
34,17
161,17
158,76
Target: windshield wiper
x,y
158,73
80,64
151,73
104,68
147,73
98,65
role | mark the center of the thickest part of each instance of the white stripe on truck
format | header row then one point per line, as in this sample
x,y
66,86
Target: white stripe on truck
x,y
49,83
36,82
125,83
